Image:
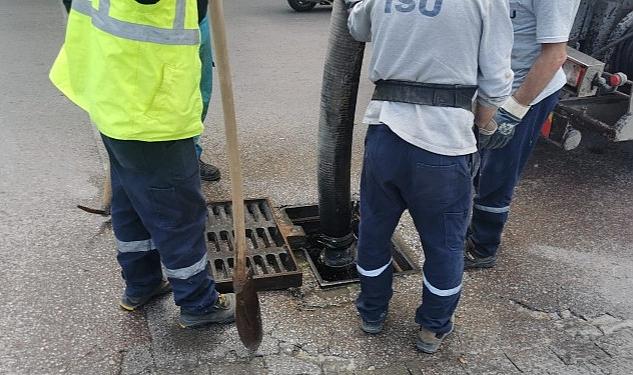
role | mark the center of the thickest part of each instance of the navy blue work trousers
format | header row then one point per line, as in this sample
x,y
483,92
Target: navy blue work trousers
x,y
159,216
498,176
437,191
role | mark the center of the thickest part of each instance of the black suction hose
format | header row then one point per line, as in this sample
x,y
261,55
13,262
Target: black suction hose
x,y
338,107
615,43
623,58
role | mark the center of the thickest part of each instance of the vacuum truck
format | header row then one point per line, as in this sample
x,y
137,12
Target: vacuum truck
x,y
597,98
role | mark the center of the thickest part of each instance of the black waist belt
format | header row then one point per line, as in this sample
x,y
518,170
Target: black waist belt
x,y
437,95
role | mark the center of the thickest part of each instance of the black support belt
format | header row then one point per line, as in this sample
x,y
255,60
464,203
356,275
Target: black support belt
x,y
437,95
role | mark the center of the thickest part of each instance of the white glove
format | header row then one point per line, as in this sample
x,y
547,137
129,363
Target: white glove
x,y
505,122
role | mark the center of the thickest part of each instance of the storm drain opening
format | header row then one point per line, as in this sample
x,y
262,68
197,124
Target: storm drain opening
x,y
268,254
307,218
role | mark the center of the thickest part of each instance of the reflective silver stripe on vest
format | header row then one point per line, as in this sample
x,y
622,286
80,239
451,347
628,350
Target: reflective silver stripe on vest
x,y
373,273
82,6
494,210
142,33
135,246
179,20
441,292
104,6
187,272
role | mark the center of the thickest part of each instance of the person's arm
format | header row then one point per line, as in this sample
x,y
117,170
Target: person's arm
x,y
359,21
554,20
483,118
552,57
206,58
495,59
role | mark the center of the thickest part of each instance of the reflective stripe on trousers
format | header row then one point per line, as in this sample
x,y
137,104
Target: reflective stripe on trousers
x,y
441,292
493,210
135,246
178,273
187,272
373,273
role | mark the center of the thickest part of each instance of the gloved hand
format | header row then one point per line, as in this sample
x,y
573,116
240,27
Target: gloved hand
x,y
485,134
505,123
349,4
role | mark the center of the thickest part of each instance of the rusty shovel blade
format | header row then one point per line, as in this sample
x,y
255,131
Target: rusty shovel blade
x,y
248,317
96,211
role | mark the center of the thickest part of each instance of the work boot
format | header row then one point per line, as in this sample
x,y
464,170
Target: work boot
x,y
472,259
429,342
208,172
223,311
131,304
372,328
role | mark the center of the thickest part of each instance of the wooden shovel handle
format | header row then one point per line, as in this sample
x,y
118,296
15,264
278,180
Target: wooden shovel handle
x,y
228,105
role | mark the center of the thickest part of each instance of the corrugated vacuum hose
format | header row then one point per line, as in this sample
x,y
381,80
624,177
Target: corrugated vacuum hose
x,y
338,107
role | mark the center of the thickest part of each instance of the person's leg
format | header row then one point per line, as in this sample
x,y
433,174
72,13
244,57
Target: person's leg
x,y
198,146
438,193
161,181
439,197
139,260
499,174
380,209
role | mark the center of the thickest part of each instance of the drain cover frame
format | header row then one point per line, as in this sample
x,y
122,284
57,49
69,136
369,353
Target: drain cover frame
x,y
297,218
267,247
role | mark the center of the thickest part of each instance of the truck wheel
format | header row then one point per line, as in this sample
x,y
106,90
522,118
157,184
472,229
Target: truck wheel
x,y
301,5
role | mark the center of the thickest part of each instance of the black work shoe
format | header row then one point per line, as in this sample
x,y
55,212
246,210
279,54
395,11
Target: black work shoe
x,y
472,259
429,342
223,311
131,304
372,328
208,172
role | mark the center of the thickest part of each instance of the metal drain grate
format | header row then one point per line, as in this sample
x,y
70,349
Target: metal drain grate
x,y
307,218
269,255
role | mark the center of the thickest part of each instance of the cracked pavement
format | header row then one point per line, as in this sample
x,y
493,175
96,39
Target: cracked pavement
x,y
560,300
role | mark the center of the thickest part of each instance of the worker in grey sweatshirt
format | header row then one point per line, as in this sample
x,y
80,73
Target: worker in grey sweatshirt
x,y
541,32
433,62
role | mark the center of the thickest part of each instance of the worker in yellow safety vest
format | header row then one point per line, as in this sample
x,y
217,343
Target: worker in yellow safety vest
x,y
134,67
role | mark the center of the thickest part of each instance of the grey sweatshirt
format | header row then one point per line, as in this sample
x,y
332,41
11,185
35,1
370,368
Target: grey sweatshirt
x,y
465,42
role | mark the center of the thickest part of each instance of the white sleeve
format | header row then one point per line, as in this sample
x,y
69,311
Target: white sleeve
x,y
495,74
359,21
554,19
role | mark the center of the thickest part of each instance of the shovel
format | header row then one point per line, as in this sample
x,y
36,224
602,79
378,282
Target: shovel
x,y
106,199
247,315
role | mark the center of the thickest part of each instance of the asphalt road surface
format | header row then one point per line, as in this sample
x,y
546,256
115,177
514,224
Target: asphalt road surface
x,y
560,301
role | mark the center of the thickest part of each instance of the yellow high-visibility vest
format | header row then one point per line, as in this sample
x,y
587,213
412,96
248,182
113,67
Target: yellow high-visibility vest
x,y
134,68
